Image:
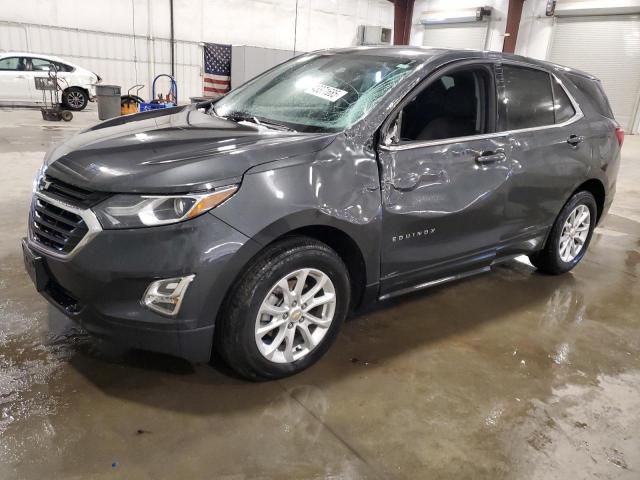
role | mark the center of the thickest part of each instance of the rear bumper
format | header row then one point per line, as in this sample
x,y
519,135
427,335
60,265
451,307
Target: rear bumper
x,y
101,287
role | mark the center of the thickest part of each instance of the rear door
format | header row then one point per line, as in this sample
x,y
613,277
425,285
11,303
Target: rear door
x,y
14,81
40,67
547,134
444,175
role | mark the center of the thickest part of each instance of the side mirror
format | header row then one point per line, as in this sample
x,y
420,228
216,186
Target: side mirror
x,y
392,135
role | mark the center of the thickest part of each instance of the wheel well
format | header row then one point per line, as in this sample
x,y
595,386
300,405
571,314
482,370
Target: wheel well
x,y
79,88
596,189
347,250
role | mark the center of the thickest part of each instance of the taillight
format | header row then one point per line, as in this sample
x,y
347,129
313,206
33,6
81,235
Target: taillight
x,y
620,135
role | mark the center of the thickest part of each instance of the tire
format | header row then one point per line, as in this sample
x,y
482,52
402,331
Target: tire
x,y
75,98
236,338
66,115
555,260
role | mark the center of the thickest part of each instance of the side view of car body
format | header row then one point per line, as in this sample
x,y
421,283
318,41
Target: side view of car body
x,y
17,84
252,226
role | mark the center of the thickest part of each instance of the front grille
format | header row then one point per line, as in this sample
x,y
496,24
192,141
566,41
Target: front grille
x,y
56,228
70,193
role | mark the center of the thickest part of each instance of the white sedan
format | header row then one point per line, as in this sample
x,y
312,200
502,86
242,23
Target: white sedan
x,y
17,85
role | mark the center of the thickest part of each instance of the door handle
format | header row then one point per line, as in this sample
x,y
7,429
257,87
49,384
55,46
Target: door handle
x,y
574,140
491,156
21,76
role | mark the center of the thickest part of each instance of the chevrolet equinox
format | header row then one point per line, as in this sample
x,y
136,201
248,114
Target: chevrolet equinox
x,y
250,226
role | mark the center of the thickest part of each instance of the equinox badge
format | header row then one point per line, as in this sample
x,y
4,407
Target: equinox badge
x,y
406,236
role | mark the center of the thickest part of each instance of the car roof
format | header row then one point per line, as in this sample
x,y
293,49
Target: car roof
x,y
427,53
37,55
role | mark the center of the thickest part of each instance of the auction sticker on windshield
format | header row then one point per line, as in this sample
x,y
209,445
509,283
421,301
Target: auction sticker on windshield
x,y
325,91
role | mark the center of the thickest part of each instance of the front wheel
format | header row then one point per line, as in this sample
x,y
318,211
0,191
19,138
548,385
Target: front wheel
x,y
75,98
569,237
285,310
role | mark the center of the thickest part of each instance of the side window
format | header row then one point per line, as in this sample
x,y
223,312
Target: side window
x,y
41,65
561,104
454,105
13,63
63,67
527,100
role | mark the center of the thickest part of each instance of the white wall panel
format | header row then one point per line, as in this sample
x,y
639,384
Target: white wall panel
x,y
100,35
469,39
247,62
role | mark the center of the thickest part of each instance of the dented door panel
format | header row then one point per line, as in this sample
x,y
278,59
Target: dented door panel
x,y
441,203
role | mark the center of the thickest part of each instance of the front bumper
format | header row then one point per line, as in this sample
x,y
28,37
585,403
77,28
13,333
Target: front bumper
x,y
101,286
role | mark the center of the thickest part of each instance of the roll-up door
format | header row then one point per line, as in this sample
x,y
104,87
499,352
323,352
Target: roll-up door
x,y
456,35
607,46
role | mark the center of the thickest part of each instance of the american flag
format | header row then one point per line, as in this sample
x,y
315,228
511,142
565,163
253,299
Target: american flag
x,y
217,70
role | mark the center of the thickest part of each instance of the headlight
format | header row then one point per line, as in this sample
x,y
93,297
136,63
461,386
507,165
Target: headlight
x,y
39,176
131,211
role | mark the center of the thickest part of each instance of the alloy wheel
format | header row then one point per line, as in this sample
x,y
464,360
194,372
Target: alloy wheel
x,y
574,233
295,315
75,99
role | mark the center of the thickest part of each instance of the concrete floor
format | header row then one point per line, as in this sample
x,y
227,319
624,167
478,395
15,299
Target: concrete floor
x,y
509,375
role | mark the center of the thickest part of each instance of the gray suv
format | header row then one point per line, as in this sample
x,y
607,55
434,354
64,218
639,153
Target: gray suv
x,y
251,226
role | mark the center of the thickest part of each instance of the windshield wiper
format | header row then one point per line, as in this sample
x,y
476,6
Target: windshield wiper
x,y
239,117
274,125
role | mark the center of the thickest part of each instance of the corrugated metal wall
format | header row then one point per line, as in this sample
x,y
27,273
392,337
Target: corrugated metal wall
x,y
118,58
46,27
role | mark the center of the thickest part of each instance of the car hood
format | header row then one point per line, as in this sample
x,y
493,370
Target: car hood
x,y
173,150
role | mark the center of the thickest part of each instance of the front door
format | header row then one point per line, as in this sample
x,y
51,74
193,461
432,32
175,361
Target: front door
x,y
14,81
444,176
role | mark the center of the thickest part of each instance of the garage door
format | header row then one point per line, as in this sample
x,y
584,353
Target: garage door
x,y
607,47
456,35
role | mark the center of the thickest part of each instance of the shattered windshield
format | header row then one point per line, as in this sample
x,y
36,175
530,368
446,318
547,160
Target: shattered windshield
x,y
317,92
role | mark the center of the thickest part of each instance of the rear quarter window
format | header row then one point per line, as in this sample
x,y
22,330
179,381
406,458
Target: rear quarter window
x,y
561,104
593,91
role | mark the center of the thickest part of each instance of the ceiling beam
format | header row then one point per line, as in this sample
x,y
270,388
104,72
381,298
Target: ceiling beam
x,y
513,24
402,17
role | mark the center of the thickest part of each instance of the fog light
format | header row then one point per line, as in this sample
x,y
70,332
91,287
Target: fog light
x,y
165,296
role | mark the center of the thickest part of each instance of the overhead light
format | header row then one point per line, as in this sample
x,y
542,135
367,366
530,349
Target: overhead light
x,y
464,15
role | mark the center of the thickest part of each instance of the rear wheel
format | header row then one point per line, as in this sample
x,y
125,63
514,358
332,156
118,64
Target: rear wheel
x,y
569,237
75,98
285,311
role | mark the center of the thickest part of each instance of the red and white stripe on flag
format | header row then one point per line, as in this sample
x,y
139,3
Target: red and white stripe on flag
x,y
216,84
